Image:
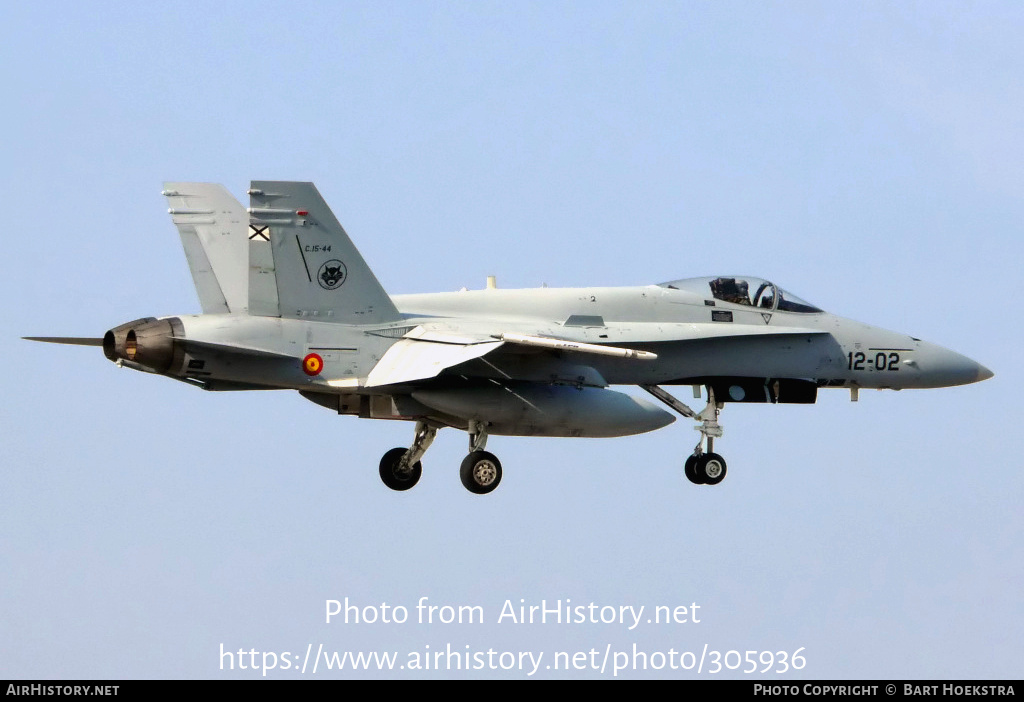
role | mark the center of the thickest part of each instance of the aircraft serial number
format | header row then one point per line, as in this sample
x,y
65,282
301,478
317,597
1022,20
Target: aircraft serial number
x,y
882,361
316,248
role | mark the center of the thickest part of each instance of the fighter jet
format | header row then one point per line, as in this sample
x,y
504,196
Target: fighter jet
x,y
289,303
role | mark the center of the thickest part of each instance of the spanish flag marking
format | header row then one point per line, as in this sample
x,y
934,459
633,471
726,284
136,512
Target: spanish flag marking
x,y
312,364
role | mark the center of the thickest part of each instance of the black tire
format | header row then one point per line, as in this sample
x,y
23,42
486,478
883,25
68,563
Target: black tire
x,y
391,477
710,468
690,468
480,472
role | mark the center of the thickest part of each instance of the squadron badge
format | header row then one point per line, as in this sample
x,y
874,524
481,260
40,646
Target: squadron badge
x,y
332,274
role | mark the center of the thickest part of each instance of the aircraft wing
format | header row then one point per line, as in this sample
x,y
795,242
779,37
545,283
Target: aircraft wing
x,y
425,351
420,359
428,350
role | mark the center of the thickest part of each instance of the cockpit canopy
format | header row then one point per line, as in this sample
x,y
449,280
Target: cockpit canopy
x,y
744,290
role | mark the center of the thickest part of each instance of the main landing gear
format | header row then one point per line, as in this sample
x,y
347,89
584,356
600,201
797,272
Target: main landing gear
x,y
480,471
701,468
400,468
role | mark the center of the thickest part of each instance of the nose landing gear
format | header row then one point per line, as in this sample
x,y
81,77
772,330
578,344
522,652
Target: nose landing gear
x,y
701,468
705,468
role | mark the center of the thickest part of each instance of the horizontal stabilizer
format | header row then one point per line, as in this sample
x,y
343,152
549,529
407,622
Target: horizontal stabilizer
x,y
73,340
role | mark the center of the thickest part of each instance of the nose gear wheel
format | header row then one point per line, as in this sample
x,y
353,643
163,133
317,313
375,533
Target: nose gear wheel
x,y
702,467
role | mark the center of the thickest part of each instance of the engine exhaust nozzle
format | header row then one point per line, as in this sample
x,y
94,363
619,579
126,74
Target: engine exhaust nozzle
x,y
147,342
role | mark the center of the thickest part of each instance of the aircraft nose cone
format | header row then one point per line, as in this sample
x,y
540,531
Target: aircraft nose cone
x,y
942,368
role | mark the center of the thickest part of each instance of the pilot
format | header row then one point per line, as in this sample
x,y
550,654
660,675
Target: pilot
x,y
731,290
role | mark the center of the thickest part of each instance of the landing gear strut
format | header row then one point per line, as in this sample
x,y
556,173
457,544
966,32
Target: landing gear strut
x,y
701,468
401,468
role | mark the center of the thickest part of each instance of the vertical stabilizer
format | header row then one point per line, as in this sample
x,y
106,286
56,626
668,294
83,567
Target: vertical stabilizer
x,y
212,226
318,271
262,276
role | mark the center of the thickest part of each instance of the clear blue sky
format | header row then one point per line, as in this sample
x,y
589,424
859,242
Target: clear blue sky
x,y
867,157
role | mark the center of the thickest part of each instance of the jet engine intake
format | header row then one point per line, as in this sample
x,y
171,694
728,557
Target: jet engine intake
x,y
148,342
773,390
